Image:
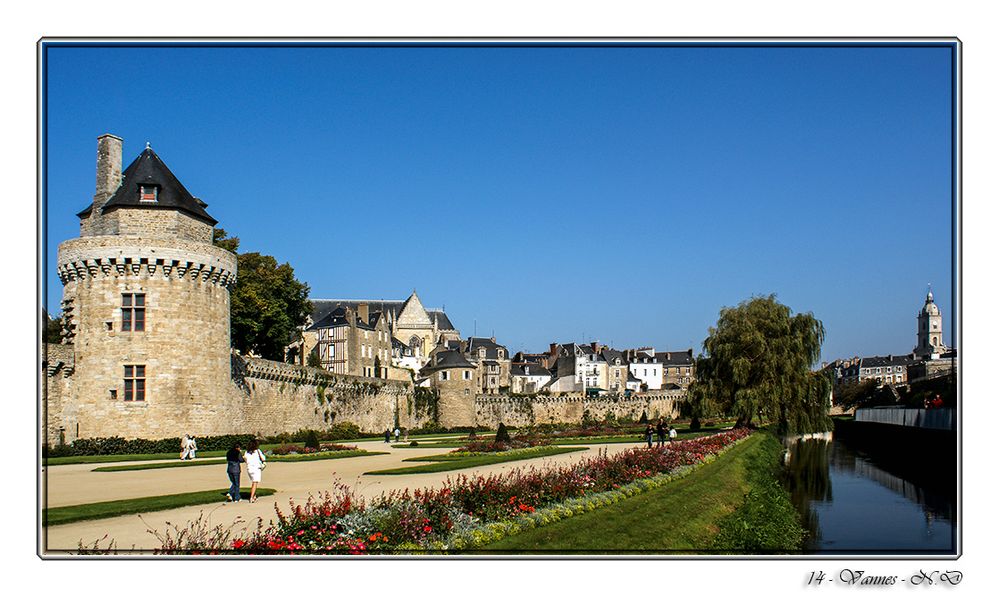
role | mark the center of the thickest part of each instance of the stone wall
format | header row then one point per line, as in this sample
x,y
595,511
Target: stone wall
x,y
278,397
490,411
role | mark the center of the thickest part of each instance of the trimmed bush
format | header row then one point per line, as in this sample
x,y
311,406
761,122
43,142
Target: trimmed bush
x,y
101,446
502,435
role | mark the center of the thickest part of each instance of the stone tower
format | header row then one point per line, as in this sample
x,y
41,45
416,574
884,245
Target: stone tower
x,y
929,332
145,306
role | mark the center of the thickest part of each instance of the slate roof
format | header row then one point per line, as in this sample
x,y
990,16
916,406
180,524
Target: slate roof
x,y
682,358
609,354
448,359
492,348
321,307
885,361
338,317
149,169
529,370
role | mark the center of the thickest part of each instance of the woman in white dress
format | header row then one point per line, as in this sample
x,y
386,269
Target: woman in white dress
x,y
184,447
255,463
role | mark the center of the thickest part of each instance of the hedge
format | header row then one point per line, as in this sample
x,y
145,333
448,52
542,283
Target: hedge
x,y
100,446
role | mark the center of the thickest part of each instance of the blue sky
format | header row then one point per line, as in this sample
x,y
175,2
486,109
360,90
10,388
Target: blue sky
x,y
549,194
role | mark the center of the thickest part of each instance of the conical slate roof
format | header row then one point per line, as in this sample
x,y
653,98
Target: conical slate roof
x,y
149,169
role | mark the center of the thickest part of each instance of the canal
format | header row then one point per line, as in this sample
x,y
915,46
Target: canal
x,y
857,499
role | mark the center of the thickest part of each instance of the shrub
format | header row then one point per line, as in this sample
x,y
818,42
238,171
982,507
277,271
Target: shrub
x,y
101,446
312,440
502,435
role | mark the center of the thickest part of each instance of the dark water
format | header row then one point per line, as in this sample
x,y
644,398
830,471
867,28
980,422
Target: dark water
x,y
855,500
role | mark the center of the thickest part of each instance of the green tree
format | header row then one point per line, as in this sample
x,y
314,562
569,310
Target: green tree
x,y
52,333
855,395
757,363
267,305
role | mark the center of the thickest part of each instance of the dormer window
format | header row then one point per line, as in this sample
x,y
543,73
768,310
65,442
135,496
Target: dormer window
x,y
148,193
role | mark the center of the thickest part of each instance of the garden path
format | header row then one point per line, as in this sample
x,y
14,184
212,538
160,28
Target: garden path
x,y
77,484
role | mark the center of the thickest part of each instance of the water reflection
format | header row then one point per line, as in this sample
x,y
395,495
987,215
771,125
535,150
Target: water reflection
x,y
853,501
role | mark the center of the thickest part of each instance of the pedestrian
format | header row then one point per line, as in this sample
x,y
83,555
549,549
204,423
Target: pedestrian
x,y
648,434
184,447
232,459
660,433
388,436
192,448
672,433
396,434
255,463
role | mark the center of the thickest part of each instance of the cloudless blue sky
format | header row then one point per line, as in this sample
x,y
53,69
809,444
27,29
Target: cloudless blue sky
x,y
549,194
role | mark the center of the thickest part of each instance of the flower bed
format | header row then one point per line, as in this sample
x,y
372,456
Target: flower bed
x,y
285,449
466,511
487,446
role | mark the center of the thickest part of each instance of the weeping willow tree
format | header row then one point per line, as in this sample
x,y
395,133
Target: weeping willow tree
x,y
757,364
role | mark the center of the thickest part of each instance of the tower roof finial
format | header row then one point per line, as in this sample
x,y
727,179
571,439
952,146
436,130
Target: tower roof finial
x,y
147,145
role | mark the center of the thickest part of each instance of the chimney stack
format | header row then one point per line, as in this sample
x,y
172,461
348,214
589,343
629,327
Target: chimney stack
x,y
362,312
553,349
108,168
595,347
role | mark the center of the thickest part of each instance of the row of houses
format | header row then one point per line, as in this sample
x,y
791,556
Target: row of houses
x,y
565,368
404,340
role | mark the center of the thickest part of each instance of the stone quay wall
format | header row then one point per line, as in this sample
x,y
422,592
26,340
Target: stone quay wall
x,y
522,411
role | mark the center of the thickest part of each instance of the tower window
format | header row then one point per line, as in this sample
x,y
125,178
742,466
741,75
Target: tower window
x,y
148,193
133,312
135,383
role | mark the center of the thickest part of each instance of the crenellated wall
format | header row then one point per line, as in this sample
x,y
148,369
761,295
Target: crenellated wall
x,y
490,411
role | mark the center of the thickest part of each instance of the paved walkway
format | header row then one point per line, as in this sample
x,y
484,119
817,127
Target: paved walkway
x,y
78,484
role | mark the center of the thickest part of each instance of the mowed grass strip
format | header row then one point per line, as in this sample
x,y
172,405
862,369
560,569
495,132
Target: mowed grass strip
x,y
682,516
445,462
68,514
185,463
139,457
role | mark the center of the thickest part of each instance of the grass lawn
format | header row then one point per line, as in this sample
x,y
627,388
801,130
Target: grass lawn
x,y
449,462
682,516
68,514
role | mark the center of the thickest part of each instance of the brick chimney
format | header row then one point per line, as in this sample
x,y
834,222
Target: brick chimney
x,y
595,346
553,349
108,168
362,312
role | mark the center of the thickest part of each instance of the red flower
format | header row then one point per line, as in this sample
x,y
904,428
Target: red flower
x,y
427,529
238,543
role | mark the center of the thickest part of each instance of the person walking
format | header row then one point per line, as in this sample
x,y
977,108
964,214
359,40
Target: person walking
x,y
255,463
672,433
660,433
233,458
648,434
184,447
396,432
388,436
192,447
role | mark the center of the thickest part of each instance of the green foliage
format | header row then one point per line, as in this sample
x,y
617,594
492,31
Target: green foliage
x,y
502,435
425,402
97,446
313,359
52,332
267,305
767,521
855,395
758,364
312,439
644,420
